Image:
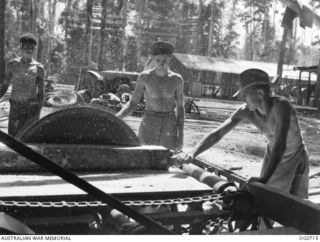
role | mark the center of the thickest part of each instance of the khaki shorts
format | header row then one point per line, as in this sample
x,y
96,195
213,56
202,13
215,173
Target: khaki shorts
x,y
21,116
292,173
159,129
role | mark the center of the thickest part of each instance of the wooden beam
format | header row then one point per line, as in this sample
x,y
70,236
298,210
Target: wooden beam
x,y
286,209
89,157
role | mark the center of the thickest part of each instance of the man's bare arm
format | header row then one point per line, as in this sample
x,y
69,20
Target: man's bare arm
x,y
213,137
282,122
136,97
180,113
4,84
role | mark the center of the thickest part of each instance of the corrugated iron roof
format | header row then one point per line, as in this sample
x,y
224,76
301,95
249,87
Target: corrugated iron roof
x,y
219,64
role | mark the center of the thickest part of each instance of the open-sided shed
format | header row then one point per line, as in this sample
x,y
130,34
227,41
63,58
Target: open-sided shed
x,y
208,76
309,87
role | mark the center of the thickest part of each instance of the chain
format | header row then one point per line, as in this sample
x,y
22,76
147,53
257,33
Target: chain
x,y
134,203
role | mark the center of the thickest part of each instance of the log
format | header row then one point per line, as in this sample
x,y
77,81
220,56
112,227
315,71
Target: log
x,y
88,157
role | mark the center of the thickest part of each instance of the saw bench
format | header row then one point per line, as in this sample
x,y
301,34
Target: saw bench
x,y
106,160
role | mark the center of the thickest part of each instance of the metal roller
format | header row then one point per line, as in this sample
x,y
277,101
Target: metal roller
x,y
218,184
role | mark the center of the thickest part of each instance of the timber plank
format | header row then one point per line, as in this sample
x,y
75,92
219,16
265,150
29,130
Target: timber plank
x,y
142,181
88,157
286,209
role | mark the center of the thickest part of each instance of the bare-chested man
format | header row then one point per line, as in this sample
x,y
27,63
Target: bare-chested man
x,y
27,78
163,120
286,164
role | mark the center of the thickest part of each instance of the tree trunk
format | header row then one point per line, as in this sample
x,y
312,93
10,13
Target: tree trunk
x,y
40,48
251,34
124,39
118,41
52,16
282,53
211,29
140,9
88,32
68,19
19,21
102,35
2,40
200,46
32,16
265,29
40,30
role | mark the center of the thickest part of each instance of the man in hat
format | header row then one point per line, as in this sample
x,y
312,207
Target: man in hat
x,y
27,78
163,120
286,164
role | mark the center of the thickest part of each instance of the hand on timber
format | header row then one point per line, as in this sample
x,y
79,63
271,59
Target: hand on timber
x,y
250,180
230,189
182,158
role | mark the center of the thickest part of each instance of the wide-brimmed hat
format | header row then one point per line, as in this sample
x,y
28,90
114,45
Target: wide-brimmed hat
x,y
162,48
253,77
28,38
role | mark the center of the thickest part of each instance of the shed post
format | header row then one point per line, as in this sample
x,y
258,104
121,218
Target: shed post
x,y
299,94
308,89
317,89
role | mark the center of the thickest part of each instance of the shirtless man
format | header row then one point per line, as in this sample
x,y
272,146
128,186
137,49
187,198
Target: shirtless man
x,y
27,78
163,119
286,164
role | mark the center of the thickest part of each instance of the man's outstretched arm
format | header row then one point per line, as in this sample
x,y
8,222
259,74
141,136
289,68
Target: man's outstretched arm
x,y
216,135
213,137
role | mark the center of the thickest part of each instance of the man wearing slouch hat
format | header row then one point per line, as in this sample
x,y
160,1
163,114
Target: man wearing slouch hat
x,y
286,163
